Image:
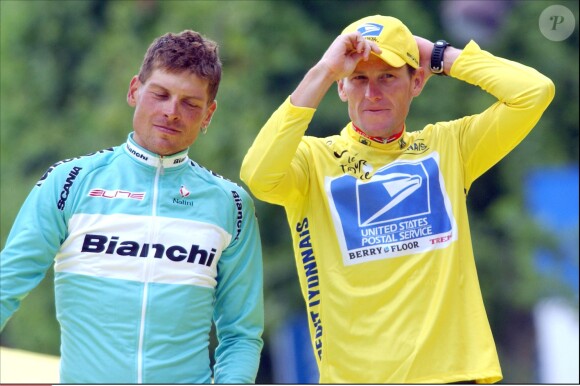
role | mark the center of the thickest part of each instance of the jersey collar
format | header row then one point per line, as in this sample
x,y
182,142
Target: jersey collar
x,y
398,141
144,156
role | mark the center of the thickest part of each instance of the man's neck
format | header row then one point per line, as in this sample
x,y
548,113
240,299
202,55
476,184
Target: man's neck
x,y
390,139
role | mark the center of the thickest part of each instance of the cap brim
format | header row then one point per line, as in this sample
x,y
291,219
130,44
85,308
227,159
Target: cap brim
x,y
391,58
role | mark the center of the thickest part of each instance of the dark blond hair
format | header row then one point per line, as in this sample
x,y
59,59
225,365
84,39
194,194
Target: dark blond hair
x,y
185,51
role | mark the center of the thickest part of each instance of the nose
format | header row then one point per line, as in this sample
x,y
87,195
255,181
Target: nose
x,y
170,109
373,91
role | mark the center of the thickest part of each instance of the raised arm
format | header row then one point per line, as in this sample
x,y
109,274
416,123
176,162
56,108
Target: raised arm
x,y
273,168
522,94
339,61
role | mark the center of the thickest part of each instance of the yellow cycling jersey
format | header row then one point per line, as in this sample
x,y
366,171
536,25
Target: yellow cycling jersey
x,y
381,234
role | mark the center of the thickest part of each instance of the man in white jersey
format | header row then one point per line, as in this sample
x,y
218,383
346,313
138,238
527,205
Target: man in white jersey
x,y
378,212
149,247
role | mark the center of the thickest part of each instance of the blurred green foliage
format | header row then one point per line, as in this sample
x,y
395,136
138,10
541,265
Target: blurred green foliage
x,y
65,70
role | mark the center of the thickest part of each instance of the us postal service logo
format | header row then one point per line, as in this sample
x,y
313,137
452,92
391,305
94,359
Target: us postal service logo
x,y
403,209
370,29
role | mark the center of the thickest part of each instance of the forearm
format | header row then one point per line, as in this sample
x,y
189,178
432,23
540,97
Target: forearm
x,y
512,83
313,87
237,361
338,62
18,276
451,55
239,304
28,254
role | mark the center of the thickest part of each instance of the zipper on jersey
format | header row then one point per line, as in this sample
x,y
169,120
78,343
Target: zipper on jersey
x,y
161,168
152,234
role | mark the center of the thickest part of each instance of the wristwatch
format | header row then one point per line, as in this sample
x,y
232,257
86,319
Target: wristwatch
x,y
437,57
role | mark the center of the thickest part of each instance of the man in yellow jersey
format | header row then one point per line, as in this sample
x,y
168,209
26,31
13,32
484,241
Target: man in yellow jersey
x,y
378,213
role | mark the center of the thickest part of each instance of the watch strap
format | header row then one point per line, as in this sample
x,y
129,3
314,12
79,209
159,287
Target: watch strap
x,y
437,57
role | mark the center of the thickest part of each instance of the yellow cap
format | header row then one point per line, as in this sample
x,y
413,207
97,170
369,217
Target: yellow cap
x,y
394,39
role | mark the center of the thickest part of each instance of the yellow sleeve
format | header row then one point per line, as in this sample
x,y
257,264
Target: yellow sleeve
x,y
523,95
271,169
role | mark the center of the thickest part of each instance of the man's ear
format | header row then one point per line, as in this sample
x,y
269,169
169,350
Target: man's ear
x,y
131,94
211,109
418,81
341,92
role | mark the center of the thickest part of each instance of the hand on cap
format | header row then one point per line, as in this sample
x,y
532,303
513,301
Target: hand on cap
x,y
338,62
343,55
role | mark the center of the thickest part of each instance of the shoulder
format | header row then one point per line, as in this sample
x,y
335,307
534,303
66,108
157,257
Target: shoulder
x,y
444,128
229,188
73,167
320,140
315,144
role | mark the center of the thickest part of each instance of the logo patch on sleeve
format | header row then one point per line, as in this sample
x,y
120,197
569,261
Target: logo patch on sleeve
x,y
403,209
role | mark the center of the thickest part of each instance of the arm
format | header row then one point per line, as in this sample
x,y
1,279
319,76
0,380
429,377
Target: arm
x,y
34,240
426,49
239,308
339,61
522,93
273,168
